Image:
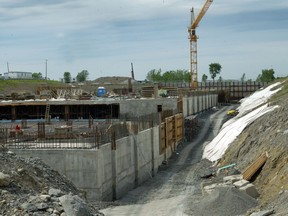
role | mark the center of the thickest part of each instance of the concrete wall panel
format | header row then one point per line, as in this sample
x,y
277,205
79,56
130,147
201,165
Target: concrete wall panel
x,y
144,155
104,171
125,171
146,106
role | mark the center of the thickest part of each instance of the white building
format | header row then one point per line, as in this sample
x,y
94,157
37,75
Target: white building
x,y
17,75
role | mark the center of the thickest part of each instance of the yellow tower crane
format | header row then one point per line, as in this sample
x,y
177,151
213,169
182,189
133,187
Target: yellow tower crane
x,y
193,43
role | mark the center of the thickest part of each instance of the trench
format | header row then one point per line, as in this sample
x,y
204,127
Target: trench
x,y
175,183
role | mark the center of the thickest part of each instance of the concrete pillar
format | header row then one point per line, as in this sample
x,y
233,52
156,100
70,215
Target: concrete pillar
x,y
67,113
136,171
13,113
114,174
152,152
114,165
188,106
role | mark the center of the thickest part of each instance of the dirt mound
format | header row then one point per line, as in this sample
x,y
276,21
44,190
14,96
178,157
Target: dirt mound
x,y
30,187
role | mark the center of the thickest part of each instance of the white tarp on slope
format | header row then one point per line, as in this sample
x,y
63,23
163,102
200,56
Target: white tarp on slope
x,y
214,150
257,98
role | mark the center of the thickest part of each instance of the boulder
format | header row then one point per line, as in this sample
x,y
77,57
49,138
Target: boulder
x,y
263,213
208,189
241,183
55,192
4,179
250,190
232,178
74,206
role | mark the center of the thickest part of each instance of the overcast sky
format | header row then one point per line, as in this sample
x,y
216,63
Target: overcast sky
x,y
104,37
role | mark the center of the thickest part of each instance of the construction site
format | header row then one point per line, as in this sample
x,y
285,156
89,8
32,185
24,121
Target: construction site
x,y
125,147
147,163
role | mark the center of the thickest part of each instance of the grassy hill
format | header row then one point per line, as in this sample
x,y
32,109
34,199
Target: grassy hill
x,y
26,86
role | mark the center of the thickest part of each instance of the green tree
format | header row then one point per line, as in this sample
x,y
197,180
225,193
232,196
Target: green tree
x,y
182,75
82,76
187,76
204,78
67,77
220,79
37,75
214,69
168,76
154,75
266,76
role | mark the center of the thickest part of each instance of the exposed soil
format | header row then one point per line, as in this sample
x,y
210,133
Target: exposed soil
x,y
268,133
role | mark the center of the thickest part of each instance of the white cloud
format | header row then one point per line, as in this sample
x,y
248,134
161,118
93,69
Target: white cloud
x,y
228,7
151,32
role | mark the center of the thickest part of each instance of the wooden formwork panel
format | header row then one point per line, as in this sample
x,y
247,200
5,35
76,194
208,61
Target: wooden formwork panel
x,y
178,127
169,131
180,104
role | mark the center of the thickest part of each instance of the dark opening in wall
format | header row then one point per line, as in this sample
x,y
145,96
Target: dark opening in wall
x,y
159,108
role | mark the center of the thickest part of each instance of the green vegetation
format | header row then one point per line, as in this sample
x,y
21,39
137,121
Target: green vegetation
x,y
13,83
168,76
37,75
204,78
82,76
266,76
214,69
283,92
67,77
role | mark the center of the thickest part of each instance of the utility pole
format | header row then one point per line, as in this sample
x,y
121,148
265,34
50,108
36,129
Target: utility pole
x,y
8,67
46,69
132,72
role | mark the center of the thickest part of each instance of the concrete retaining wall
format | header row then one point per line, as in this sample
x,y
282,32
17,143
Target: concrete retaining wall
x,y
146,106
198,103
106,174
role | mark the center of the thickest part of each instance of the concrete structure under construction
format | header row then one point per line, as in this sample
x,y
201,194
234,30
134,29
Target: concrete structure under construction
x,y
102,108
84,109
108,171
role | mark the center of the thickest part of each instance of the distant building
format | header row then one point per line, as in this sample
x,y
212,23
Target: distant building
x,y
17,75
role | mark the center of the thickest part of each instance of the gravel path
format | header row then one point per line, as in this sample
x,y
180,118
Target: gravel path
x,y
171,190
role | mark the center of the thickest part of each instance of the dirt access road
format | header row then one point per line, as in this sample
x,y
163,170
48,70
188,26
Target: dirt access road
x,y
176,184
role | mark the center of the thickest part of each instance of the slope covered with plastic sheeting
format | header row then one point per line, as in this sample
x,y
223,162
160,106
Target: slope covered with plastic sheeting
x,y
257,98
250,109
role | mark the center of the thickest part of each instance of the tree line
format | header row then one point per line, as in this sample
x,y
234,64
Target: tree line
x,y
81,76
67,78
154,75
179,75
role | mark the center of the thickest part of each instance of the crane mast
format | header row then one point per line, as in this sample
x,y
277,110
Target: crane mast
x,y
193,43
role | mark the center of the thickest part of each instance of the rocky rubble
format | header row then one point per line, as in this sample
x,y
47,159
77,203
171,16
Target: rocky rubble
x,y
30,187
